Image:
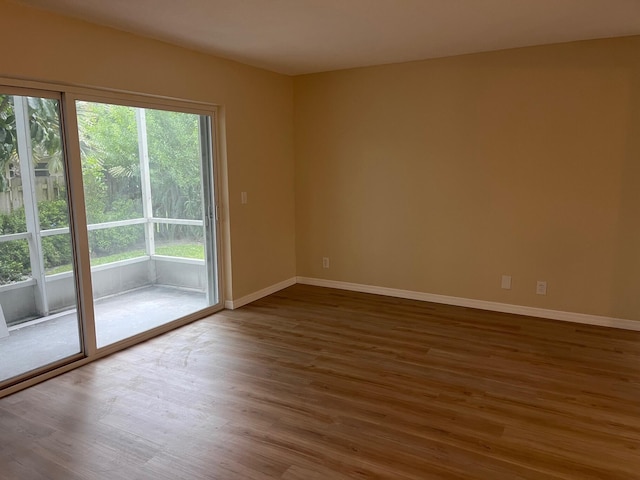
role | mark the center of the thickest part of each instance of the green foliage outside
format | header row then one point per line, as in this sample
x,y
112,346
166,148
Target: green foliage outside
x,y
111,170
182,250
46,148
112,182
56,250
111,175
15,264
45,133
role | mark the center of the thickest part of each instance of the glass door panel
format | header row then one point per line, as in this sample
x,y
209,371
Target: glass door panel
x,y
38,319
148,192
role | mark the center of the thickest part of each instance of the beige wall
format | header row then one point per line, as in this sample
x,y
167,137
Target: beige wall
x,y
257,105
440,176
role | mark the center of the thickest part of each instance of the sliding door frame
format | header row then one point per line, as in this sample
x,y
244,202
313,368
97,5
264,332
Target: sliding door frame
x,y
15,383
211,179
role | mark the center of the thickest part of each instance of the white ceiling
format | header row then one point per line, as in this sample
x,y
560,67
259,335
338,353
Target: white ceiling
x,y
304,36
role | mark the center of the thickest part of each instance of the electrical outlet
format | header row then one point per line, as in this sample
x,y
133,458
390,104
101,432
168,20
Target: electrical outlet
x,y
325,262
506,282
243,198
541,287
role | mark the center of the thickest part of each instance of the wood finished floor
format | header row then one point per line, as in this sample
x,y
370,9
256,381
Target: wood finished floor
x,y
314,383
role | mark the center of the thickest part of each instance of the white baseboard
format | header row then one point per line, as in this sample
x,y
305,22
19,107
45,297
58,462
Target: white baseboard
x,y
252,297
481,304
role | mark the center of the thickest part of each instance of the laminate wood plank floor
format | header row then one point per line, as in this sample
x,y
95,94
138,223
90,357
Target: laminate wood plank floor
x,y
314,383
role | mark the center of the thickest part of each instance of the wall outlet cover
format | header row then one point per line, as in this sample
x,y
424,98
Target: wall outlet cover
x,y
541,287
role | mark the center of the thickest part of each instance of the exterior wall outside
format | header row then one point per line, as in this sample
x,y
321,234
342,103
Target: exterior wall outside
x,y
47,188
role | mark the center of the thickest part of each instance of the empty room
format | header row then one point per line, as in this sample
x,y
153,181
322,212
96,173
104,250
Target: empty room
x,y
302,240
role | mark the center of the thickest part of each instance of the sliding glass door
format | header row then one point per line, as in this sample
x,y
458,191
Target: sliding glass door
x,y
148,199
38,316
116,243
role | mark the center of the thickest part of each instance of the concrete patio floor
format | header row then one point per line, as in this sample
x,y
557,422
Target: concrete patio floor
x,y
118,317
